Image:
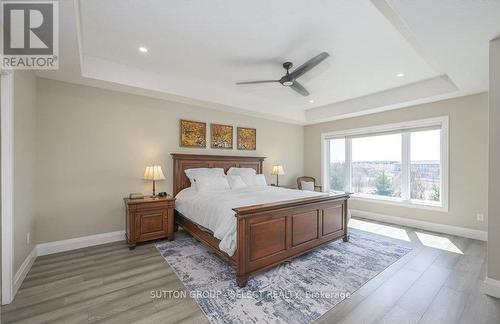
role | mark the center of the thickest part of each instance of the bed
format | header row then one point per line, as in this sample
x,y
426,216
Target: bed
x,y
260,228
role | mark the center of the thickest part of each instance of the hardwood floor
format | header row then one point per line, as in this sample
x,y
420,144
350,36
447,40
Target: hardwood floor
x,y
439,281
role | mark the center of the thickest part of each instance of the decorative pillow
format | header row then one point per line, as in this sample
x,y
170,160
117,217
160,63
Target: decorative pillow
x,y
307,185
236,182
241,171
257,180
194,173
211,183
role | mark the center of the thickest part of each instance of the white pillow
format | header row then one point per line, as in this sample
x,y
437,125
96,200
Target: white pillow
x,y
211,183
257,180
241,171
307,185
194,173
235,182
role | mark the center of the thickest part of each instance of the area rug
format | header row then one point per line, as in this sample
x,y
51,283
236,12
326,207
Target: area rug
x,y
299,291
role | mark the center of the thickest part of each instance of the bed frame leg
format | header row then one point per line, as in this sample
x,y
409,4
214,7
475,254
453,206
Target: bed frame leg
x,y
241,281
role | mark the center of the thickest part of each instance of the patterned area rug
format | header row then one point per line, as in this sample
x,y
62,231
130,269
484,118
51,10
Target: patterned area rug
x,y
299,291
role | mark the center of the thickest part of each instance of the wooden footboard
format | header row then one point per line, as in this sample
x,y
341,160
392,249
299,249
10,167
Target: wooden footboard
x,y
273,233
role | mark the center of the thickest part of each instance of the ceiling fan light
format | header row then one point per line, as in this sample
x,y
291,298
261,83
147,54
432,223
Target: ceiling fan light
x,y
288,83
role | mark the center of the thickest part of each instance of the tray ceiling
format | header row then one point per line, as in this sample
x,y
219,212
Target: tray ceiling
x,y
198,49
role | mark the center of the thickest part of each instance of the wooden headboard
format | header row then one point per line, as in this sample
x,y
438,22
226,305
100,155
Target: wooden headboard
x,y
189,161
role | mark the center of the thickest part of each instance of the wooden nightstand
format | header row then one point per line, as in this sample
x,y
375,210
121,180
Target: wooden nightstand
x,y
149,219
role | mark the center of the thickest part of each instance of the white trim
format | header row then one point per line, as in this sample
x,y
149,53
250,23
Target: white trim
x,y
7,186
79,32
387,127
404,201
445,143
492,287
24,269
79,242
405,160
428,226
394,201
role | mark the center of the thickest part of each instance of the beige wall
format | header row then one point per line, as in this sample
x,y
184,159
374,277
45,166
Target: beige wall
x,y
468,156
24,164
494,165
93,146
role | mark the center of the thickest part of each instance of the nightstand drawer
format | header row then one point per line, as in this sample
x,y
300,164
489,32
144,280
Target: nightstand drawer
x,y
152,205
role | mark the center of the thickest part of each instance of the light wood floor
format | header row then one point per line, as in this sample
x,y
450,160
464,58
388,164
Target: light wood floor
x,y
439,281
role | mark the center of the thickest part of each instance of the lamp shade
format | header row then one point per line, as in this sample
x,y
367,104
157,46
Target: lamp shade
x,y
277,170
153,172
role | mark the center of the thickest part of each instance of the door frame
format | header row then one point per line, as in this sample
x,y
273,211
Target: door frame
x,y
7,183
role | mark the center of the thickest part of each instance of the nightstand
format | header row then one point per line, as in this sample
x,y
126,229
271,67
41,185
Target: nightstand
x,y
149,219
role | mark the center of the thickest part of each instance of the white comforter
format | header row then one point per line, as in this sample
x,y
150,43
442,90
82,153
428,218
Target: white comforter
x,y
214,210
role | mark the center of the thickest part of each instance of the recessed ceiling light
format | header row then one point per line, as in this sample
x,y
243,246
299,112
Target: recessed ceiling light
x,y
142,49
311,101
400,75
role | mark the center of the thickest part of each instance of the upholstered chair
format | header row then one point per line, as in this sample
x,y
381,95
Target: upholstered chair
x,y
307,179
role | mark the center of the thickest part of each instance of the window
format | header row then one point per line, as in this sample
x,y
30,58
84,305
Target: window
x,y
376,165
337,164
425,170
398,163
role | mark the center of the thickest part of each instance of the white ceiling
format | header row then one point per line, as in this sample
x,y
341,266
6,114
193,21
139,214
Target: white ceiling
x,y
198,49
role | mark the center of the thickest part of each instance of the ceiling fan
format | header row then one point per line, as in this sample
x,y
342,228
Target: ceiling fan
x,y
290,78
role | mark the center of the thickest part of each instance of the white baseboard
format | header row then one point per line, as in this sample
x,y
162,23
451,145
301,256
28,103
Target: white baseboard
x,y
79,242
492,287
428,226
23,270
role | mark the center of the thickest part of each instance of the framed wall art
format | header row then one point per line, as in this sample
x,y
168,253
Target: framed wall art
x,y
221,136
247,138
193,134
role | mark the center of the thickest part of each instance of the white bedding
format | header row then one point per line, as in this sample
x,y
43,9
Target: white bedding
x,y
213,210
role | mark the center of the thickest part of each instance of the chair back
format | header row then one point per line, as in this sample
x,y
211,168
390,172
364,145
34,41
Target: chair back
x,y
304,178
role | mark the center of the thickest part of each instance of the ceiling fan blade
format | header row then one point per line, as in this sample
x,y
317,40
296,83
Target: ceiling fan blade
x,y
255,82
299,88
309,65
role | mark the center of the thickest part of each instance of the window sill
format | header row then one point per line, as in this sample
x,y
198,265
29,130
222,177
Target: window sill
x,y
398,202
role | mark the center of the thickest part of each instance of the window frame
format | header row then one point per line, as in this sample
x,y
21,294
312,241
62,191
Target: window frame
x,y
405,200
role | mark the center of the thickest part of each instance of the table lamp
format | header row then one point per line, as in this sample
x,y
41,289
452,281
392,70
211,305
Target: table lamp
x,y
277,171
154,172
